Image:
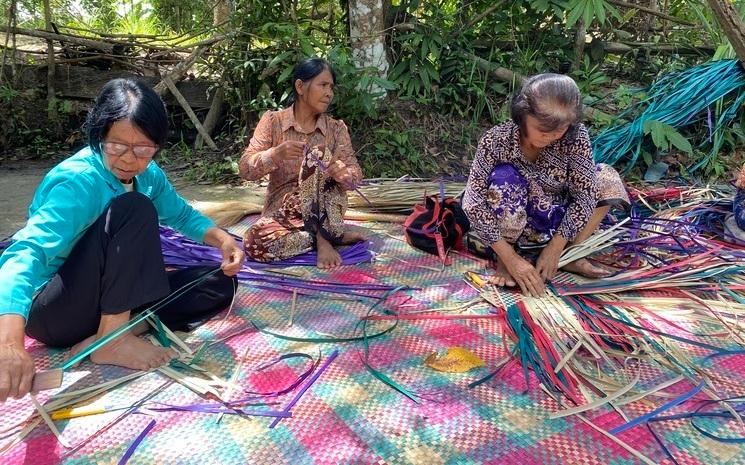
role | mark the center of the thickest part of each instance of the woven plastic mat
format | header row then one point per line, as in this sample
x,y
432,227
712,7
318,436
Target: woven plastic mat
x,y
348,416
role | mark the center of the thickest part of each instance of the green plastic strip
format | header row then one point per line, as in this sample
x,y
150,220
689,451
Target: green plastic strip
x,y
161,334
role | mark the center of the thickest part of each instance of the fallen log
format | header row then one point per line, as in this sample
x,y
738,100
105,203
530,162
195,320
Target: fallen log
x,y
94,44
82,82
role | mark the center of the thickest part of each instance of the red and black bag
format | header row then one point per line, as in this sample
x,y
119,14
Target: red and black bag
x,y
437,226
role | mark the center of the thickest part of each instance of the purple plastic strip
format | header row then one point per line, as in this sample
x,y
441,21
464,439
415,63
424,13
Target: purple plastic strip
x,y
307,385
180,251
325,168
137,441
296,383
219,408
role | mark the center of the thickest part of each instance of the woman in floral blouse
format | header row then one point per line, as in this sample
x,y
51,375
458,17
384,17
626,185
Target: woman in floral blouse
x,y
534,182
310,162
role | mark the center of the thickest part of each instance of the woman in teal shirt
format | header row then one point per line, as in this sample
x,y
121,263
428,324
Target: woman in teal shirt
x,y
90,253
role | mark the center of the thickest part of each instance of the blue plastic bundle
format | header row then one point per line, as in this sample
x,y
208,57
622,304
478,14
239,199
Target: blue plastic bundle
x,y
677,99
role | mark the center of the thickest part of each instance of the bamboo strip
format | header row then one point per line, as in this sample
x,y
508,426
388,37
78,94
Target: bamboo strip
x,y
597,403
605,433
48,420
234,379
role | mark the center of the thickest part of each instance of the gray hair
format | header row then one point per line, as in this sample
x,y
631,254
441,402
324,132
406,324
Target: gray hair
x,y
552,99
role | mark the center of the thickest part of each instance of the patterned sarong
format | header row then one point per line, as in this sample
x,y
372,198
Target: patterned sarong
x,y
528,215
316,205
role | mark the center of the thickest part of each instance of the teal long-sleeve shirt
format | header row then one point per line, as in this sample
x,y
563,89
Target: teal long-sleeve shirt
x,y
68,201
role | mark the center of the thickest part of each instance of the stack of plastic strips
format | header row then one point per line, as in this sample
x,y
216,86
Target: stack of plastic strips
x,y
182,251
676,303
710,95
179,251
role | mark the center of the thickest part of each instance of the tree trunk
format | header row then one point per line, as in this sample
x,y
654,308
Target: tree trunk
x,y
220,16
11,23
732,25
51,100
221,13
648,22
367,36
579,44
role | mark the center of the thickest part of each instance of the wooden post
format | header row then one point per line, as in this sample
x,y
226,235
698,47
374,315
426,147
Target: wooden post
x,y
213,115
179,71
185,105
733,26
12,20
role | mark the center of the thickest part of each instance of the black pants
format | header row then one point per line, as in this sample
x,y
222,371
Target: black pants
x,y
115,267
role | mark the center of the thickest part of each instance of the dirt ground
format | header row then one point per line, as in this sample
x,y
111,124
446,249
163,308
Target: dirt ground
x,y
18,182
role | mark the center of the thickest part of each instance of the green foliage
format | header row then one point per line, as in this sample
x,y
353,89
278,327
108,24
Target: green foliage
x,y
395,153
181,16
416,72
590,77
7,94
665,136
443,55
138,19
587,10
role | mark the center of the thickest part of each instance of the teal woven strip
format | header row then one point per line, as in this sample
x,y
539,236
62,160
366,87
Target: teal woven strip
x,y
161,332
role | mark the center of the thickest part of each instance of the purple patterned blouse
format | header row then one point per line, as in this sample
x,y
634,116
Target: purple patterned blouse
x,y
564,172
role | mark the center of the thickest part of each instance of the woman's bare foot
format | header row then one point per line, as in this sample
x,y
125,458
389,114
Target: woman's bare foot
x,y
502,277
351,237
129,351
328,256
584,267
77,348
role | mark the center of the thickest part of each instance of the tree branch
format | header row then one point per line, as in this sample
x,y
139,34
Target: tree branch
x,y
650,11
193,117
515,80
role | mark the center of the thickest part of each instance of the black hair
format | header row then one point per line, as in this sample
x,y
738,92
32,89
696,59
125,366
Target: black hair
x,y
553,99
131,100
306,70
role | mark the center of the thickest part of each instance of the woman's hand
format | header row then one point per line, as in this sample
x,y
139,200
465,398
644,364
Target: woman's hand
x,y
16,365
232,255
548,261
289,150
521,270
342,174
525,275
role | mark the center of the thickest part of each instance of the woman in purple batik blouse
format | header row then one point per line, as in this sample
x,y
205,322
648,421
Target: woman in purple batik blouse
x,y
534,183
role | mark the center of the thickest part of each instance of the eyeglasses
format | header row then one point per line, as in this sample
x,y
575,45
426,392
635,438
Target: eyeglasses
x,y
117,149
